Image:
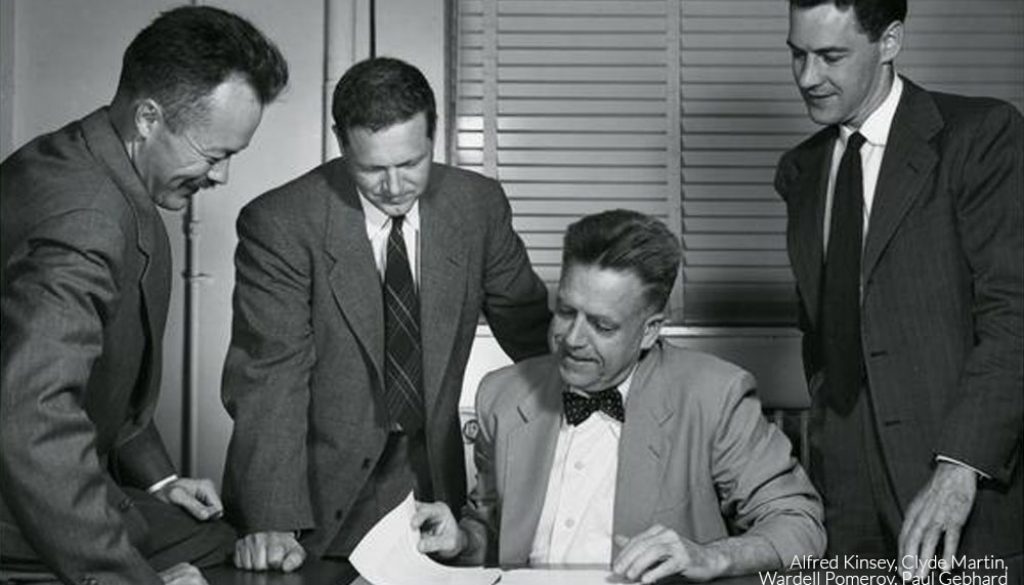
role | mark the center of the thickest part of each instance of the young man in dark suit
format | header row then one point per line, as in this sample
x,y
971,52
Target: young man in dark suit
x,y
359,288
87,490
905,236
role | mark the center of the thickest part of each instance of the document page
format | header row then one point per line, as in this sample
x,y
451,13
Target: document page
x,y
387,555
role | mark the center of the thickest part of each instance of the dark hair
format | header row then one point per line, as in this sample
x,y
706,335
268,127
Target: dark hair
x,y
626,240
380,92
183,55
874,16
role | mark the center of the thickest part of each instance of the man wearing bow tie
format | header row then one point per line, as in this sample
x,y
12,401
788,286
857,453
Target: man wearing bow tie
x,y
620,449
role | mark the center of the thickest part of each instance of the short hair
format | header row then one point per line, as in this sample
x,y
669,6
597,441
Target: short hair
x,y
873,16
186,52
629,241
380,92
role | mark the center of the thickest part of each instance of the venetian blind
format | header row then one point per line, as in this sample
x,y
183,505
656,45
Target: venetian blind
x,y
678,108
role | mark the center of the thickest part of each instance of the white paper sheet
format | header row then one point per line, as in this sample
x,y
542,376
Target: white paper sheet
x,y
387,555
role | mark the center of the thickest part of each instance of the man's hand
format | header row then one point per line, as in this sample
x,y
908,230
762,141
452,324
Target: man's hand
x,y
261,551
659,552
198,496
939,509
440,534
182,574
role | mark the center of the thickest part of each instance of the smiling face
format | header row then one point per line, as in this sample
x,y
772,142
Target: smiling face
x,y
391,166
842,75
174,165
602,322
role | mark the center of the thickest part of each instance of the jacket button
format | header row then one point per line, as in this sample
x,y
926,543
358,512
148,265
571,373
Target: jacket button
x,y
366,463
125,504
338,514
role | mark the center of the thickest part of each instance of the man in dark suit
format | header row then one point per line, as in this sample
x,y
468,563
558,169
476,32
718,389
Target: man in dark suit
x,y
359,288
620,449
88,492
905,238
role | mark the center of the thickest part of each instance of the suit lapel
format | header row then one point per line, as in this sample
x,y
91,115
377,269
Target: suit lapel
x,y
809,218
151,236
642,449
907,163
442,284
530,453
353,277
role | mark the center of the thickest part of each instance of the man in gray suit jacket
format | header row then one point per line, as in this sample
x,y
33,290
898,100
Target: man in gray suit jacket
x,y
359,288
87,490
909,262
686,477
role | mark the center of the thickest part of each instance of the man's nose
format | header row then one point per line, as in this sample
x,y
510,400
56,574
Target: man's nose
x,y
575,336
392,182
808,73
218,173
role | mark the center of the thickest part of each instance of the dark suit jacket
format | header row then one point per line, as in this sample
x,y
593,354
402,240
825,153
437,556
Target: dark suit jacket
x,y
85,285
304,370
941,316
695,456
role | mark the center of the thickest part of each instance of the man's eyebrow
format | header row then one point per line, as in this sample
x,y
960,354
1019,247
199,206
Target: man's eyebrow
x,y
819,50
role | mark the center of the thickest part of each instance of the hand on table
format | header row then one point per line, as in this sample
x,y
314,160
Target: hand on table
x,y
197,496
440,534
659,552
261,551
182,574
940,509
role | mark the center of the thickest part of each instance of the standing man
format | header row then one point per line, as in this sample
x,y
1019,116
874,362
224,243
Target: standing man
x,y
623,450
359,288
88,491
905,238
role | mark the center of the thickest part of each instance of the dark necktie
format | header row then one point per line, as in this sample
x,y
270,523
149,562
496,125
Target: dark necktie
x,y
578,407
840,308
403,366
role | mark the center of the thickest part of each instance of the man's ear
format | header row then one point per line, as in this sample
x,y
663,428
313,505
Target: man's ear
x,y
148,117
337,135
652,328
891,41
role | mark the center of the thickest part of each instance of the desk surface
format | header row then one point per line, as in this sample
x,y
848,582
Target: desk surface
x,y
319,572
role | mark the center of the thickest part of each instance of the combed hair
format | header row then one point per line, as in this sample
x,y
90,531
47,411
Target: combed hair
x,y
380,92
626,240
186,52
874,16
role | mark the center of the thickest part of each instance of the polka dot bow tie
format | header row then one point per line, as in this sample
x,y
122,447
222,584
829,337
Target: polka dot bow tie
x,y
578,408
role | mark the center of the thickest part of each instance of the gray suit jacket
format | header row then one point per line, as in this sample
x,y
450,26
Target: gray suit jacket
x,y
85,284
941,318
695,455
303,374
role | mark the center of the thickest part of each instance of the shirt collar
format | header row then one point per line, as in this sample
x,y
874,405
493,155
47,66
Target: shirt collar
x,y
875,129
377,220
623,386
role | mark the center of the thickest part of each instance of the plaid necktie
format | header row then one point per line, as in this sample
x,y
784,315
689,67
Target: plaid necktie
x,y
403,367
578,408
840,308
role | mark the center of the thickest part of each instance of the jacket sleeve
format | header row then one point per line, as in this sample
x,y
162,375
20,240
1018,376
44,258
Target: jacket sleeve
x,y
516,300
481,517
761,488
983,426
266,379
57,291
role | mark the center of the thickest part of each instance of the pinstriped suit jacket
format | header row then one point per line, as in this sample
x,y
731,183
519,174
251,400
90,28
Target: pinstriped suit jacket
x,y
941,316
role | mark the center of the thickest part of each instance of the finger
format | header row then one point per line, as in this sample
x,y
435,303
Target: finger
x,y
275,554
910,522
632,548
294,559
207,494
670,566
931,539
649,557
949,547
421,517
243,557
183,498
259,552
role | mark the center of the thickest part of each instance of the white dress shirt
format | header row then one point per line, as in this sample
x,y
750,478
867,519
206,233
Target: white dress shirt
x,y
876,134
575,524
378,226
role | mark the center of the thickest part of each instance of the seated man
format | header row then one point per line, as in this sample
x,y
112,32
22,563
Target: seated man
x,y
620,448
